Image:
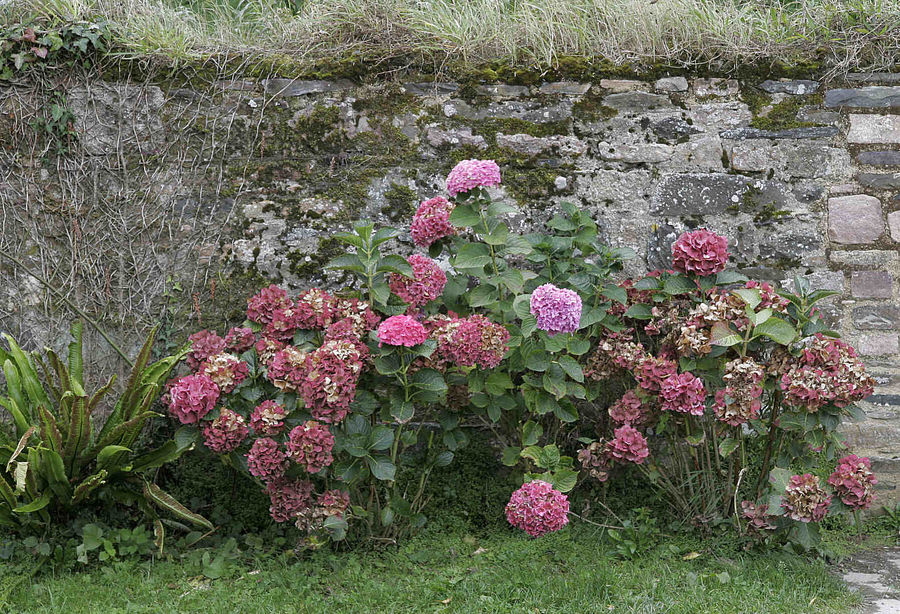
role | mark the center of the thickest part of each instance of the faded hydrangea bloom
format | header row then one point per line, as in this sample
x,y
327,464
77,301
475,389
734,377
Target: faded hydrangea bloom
x,y
226,433
804,499
854,482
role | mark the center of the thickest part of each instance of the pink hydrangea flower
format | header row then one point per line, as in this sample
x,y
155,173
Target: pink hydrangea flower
x,y
597,460
283,323
267,418
650,371
537,508
804,499
431,221
471,341
358,312
314,309
828,371
192,397
226,370
854,482
288,498
426,284
628,410
329,380
333,502
629,445
757,517
266,302
309,445
287,369
203,345
683,393
239,340
401,330
265,460
471,174
226,433
557,310
267,348
701,252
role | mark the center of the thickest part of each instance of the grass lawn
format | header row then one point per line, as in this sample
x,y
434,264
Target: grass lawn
x,y
450,571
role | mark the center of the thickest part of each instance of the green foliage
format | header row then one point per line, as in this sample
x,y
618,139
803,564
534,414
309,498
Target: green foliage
x,y
24,47
60,461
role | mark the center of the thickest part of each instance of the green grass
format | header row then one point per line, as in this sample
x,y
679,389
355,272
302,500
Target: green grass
x,y
724,35
450,571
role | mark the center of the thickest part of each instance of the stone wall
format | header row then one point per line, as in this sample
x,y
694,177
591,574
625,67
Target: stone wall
x,y
177,201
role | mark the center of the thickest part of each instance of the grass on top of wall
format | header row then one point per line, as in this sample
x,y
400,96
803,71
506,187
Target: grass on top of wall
x,y
829,36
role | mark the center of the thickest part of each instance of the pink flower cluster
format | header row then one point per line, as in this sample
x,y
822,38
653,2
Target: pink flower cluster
x,y
262,306
739,401
226,433
329,503
804,499
358,313
757,517
287,368
404,331
596,460
268,418
557,310
651,372
265,459
431,221
309,445
315,309
226,370
329,380
471,174
426,284
204,344
537,508
628,410
192,397
683,393
629,445
288,498
471,341
701,252
239,340
828,371
854,482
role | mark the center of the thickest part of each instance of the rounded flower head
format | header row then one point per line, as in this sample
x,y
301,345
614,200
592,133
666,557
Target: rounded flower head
x,y
225,433
267,348
537,508
471,341
329,380
239,340
203,345
804,499
226,370
431,221
854,482
629,445
650,371
701,252
358,312
596,460
265,460
329,503
309,445
288,498
401,330
628,410
283,323
471,174
683,393
192,397
314,309
267,418
426,284
828,371
287,369
557,310
266,302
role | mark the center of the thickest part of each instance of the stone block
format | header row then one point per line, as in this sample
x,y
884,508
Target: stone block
x,y
649,153
876,317
878,344
674,128
293,87
807,132
637,102
894,225
879,158
865,258
715,193
875,129
671,84
854,219
431,88
879,181
566,88
798,87
871,97
617,86
499,90
439,137
716,87
871,284
532,145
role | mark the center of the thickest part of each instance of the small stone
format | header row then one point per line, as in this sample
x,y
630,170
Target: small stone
x,y
432,88
671,84
818,116
291,87
560,183
532,145
878,344
871,284
449,110
894,224
650,153
874,129
871,97
674,128
874,77
621,85
843,189
716,87
438,137
503,91
876,317
637,102
854,219
750,157
879,158
865,258
798,87
879,181
806,132
566,88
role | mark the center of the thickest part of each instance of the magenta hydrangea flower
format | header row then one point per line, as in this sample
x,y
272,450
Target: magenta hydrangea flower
x,y
426,284
471,174
537,508
226,433
468,342
333,502
265,460
239,340
267,418
650,371
627,410
226,370
329,380
314,309
287,369
266,302
283,323
828,371
557,310
267,348
683,393
288,498
854,482
701,252
309,445
431,221
629,445
401,330
358,312
804,499
192,397
204,344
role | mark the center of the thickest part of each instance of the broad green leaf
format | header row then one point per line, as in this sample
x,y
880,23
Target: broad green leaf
x,y
572,368
531,433
751,296
728,445
382,468
722,334
677,284
777,330
465,215
381,438
725,278
639,312
472,256
511,455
